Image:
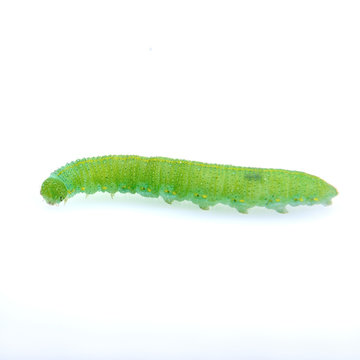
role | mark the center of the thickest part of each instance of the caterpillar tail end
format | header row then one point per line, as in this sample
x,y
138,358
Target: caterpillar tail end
x,y
53,190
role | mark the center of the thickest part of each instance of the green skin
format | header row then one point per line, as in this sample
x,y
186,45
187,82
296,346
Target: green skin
x,y
203,184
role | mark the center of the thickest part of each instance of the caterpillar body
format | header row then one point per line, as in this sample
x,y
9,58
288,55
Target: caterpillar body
x,y
202,183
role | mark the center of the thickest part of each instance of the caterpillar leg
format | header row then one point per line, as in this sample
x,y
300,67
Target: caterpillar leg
x,y
168,194
326,202
168,201
281,209
242,210
204,207
276,205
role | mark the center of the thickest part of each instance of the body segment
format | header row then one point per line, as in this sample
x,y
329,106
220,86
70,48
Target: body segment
x,y
203,184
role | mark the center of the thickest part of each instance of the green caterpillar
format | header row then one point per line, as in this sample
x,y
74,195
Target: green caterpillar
x,y
203,184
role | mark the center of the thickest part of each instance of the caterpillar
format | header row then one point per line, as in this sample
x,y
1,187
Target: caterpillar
x,y
202,183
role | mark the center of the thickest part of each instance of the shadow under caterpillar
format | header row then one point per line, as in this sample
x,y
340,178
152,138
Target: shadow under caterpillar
x,y
204,184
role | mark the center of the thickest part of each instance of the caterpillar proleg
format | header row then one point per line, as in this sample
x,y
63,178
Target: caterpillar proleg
x,y
202,183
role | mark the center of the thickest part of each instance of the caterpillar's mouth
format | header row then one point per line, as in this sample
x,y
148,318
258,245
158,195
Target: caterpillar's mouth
x,y
53,190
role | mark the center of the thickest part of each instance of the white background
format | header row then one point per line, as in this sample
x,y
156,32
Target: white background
x,y
249,83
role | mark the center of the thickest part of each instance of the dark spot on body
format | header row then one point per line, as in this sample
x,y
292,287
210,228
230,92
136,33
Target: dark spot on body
x,y
252,176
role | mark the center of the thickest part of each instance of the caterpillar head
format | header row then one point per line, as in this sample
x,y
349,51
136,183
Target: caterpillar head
x,y
53,190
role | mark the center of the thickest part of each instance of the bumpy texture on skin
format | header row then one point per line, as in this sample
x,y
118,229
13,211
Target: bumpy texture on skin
x,y
203,184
